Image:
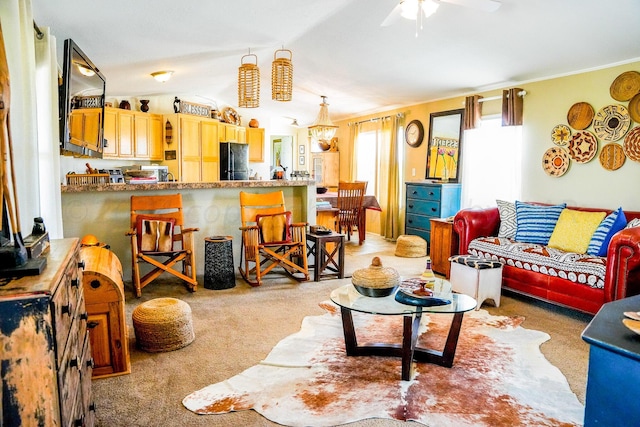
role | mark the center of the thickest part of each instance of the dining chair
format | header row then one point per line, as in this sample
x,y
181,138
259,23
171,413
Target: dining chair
x,y
350,210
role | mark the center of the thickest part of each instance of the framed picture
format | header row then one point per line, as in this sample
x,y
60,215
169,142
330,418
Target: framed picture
x,y
301,149
301,160
445,140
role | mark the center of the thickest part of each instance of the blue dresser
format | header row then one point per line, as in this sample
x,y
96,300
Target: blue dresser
x,y
613,381
427,200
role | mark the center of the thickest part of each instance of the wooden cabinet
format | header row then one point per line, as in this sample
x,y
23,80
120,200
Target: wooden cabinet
x,y
210,151
132,134
255,139
326,168
427,200
46,356
84,128
444,243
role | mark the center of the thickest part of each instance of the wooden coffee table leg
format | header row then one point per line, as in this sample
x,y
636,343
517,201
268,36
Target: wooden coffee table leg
x,y
410,327
452,341
350,342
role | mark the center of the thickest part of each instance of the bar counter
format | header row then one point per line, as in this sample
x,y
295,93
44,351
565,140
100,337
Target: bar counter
x,y
213,207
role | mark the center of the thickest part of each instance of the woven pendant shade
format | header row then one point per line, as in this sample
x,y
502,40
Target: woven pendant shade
x,y
281,76
249,83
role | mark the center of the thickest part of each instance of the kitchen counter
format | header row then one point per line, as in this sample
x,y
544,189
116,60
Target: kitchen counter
x,y
213,207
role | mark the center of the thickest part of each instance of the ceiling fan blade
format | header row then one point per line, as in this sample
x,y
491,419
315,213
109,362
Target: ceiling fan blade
x,y
483,5
393,17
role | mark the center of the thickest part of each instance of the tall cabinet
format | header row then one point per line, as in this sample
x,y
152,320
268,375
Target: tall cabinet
x,y
428,200
326,168
45,349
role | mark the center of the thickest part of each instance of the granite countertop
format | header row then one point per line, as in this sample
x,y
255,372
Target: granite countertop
x,y
187,185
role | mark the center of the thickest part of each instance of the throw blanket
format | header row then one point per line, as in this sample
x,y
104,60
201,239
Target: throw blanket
x,y
579,268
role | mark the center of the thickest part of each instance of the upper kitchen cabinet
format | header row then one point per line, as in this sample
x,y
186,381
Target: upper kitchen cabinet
x,y
132,135
255,139
84,128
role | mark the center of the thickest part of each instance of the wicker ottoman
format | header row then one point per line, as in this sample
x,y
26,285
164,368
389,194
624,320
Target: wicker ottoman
x,y
408,246
163,324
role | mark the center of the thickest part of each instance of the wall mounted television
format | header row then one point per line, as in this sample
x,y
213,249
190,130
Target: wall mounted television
x,y
81,104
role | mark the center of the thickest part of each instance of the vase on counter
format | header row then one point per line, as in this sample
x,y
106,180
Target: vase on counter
x,y
253,123
144,105
124,104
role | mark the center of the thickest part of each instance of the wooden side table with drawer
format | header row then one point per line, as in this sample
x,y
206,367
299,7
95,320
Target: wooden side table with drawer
x,y
444,243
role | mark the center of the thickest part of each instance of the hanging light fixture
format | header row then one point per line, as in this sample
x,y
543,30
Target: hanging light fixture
x,y
249,83
162,76
281,76
322,130
410,9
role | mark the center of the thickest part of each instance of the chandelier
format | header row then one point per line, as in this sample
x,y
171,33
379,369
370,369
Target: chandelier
x,y
281,76
249,83
322,130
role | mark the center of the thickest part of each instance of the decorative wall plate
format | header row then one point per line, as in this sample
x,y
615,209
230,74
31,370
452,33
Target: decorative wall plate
x,y
231,116
634,108
631,144
625,86
580,115
612,156
611,122
583,146
555,161
561,135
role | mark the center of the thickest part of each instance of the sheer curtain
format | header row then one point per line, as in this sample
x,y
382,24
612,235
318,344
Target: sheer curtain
x,y
491,163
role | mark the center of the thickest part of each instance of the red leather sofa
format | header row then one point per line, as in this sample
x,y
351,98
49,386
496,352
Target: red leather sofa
x,y
622,277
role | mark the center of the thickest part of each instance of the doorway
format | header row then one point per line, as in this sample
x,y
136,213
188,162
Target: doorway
x,y
282,153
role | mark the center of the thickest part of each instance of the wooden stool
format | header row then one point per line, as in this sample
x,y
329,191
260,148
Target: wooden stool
x,y
163,324
327,263
477,277
409,246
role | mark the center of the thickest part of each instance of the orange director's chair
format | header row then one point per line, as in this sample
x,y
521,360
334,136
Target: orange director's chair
x,y
270,239
158,237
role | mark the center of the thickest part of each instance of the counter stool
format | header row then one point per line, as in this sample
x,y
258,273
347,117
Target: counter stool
x,y
477,277
163,324
409,246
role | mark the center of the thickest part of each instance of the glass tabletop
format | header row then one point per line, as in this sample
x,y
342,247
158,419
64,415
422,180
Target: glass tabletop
x,y
348,297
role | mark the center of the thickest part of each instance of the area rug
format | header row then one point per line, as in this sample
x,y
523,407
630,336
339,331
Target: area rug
x,y
499,377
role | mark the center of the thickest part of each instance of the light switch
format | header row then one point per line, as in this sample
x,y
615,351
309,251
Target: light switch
x,y
413,172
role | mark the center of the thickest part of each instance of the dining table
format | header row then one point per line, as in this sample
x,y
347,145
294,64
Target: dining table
x,y
369,201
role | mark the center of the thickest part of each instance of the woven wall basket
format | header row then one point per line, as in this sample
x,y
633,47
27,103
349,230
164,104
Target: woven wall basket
x,y
281,76
249,83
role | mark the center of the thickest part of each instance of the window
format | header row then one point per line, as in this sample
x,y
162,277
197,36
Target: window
x,y
491,162
368,164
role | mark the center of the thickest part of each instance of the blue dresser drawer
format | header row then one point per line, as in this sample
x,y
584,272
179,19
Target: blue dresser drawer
x,y
423,207
424,192
418,221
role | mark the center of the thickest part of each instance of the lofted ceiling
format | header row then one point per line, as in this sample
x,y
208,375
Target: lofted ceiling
x,y
339,48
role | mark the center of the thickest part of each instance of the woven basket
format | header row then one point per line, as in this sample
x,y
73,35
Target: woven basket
x,y
281,77
249,84
408,246
163,324
375,280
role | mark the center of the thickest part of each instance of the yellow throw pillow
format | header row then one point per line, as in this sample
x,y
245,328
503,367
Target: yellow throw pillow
x,y
574,230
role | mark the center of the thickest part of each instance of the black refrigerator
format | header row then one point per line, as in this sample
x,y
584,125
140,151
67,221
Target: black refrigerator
x,y
234,161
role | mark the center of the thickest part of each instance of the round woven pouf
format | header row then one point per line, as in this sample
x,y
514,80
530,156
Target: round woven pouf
x,y
409,246
163,324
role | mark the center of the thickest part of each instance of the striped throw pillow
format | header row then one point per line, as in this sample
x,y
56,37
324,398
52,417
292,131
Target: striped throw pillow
x,y
507,212
609,226
534,223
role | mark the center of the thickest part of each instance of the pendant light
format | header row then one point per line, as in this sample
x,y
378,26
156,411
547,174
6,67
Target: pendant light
x,y
249,83
281,76
322,130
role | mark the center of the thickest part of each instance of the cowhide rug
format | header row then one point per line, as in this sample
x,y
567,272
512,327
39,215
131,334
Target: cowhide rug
x,y
499,377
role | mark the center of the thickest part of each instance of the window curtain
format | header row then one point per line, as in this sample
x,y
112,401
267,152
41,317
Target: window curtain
x,y
354,131
511,107
472,112
391,189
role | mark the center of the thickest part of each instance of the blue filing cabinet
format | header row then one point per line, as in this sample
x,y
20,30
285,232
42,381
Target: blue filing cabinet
x,y
613,381
427,200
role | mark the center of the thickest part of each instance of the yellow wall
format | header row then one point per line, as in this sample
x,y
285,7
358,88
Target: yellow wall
x,y
545,105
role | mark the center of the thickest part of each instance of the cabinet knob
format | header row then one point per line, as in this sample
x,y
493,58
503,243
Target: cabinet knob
x,y
411,206
414,192
81,264
75,362
84,316
410,221
90,363
92,406
79,422
431,193
433,209
92,324
67,309
75,283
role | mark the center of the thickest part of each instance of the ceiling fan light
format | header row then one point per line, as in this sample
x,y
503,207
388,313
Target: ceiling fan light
x,y
162,76
409,9
429,7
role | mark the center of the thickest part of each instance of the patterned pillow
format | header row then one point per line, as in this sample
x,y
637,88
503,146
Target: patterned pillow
x,y
155,234
274,228
635,222
574,230
535,223
507,219
609,226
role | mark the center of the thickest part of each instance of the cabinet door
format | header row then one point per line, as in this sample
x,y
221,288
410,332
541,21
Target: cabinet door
x,y
155,137
75,127
331,169
255,139
141,143
92,123
127,136
241,134
110,133
230,133
190,145
210,150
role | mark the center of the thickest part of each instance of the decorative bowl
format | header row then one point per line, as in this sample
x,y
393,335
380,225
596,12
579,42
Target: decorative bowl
x,y
321,190
375,281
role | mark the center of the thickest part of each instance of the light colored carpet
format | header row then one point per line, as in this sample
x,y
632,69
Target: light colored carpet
x,y
499,378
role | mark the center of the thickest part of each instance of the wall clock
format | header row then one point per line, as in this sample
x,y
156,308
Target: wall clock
x,y
414,133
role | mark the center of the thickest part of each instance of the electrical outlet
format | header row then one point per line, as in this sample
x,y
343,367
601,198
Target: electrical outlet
x,y
413,172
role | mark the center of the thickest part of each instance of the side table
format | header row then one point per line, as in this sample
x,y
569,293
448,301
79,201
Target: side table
x,y
444,243
327,263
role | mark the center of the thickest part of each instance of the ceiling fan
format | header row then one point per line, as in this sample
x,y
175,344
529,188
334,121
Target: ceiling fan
x,y
410,9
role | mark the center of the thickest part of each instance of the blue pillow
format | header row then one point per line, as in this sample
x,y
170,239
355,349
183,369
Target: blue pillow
x,y
609,226
534,223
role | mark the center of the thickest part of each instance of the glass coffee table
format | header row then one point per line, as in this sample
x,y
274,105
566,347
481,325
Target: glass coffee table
x,y
349,300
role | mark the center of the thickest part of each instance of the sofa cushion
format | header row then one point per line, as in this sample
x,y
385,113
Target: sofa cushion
x,y
574,230
635,222
535,223
507,212
609,226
